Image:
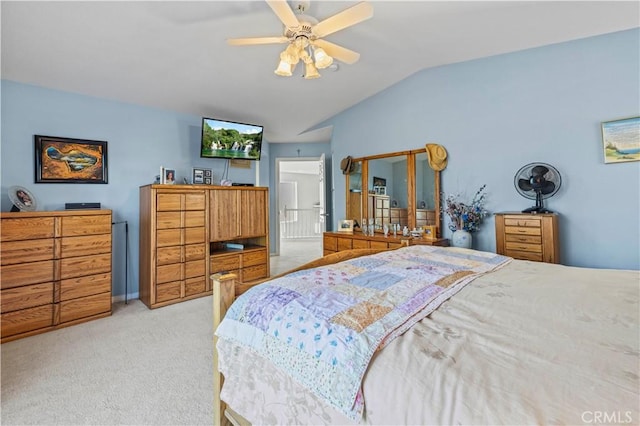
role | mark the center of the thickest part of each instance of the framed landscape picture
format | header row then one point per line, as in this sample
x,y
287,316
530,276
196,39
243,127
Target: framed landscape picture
x,y
66,160
621,140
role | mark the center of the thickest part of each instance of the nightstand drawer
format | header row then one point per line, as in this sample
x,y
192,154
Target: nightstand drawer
x,y
522,230
533,223
521,238
533,248
523,255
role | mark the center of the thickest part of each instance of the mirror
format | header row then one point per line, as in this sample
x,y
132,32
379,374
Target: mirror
x,y
387,199
400,188
426,209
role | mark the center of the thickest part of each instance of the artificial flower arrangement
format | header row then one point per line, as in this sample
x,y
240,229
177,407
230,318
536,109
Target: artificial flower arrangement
x,y
466,216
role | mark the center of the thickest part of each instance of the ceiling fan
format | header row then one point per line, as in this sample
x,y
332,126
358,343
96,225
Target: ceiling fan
x,y
305,35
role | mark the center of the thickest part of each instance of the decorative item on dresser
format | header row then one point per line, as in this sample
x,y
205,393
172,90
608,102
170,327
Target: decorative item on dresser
x,y
528,236
56,270
184,236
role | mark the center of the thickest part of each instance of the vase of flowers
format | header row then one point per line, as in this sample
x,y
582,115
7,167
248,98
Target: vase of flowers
x,y
465,218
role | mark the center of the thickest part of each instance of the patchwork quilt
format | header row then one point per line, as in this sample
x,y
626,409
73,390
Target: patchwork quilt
x,y
323,325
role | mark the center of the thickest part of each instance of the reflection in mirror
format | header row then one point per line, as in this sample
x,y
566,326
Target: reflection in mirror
x,y
387,198
425,192
354,202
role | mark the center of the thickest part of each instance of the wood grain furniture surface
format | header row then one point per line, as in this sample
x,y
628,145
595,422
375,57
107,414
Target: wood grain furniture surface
x,y
183,234
334,242
56,270
528,236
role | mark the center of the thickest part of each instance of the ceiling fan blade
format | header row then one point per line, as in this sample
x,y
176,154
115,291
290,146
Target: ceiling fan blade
x,y
348,17
282,9
338,52
256,40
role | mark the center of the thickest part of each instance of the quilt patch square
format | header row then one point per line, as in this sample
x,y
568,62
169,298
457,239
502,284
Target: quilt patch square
x,y
361,315
373,279
264,305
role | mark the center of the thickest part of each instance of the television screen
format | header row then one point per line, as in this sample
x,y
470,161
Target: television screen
x,y
231,140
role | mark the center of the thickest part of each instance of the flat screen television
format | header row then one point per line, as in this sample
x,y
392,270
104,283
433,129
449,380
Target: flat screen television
x,y
230,140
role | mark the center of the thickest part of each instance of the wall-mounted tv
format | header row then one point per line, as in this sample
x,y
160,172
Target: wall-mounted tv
x,y
230,140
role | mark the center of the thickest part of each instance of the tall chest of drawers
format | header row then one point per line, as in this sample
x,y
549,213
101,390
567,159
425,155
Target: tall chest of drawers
x,y
56,270
174,246
528,236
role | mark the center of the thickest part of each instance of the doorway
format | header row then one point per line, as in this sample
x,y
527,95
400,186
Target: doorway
x,y
302,217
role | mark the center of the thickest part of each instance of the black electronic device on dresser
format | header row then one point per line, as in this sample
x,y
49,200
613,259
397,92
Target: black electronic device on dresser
x,y
241,184
81,206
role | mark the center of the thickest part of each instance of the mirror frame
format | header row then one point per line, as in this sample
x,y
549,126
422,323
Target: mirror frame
x,y
411,186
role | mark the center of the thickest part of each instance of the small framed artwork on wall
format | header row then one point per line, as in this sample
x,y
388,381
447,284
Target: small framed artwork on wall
x,y
621,140
66,160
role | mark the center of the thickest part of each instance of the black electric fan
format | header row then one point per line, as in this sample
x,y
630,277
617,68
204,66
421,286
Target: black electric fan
x,y
537,181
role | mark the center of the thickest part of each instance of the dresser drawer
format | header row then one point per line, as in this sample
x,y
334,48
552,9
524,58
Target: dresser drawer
x,y
169,255
522,230
345,244
258,257
168,273
168,202
85,307
86,245
85,265
521,238
75,288
26,273
360,244
194,268
168,237
30,228
195,201
195,251
194,235
532,248
168,220
194,218
195,286
378,244
168,291
514,221
27,296
524,255
330,243
17,251
26,320
254,273
222,263
74,226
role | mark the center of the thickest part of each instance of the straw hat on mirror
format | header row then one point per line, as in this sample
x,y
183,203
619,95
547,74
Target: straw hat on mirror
x,y
437,156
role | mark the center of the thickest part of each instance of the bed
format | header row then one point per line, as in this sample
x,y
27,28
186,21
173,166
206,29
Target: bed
x,y
486,340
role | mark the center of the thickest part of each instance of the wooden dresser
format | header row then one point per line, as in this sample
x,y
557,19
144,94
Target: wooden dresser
x,y
56,270
528,236
173,244
184,231
333,242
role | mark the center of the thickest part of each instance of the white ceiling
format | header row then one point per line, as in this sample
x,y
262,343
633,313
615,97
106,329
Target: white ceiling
x,y
173,55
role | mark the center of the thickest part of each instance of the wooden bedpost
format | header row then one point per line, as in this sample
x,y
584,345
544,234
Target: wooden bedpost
x,y
223,295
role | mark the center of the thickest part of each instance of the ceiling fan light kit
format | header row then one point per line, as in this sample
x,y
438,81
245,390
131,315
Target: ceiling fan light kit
x,y
304,34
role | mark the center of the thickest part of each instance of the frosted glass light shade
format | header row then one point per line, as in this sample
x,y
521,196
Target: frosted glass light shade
x,y
310,71
322,59
284,69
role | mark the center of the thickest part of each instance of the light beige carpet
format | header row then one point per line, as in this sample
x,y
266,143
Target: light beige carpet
x,y
137,367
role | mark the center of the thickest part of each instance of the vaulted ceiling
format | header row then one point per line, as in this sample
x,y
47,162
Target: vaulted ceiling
x,y
173,54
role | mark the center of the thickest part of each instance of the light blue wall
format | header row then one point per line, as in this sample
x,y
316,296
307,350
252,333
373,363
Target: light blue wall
x,y
140,140
497,114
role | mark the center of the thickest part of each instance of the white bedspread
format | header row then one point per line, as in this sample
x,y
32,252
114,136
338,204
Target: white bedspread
x,y
531,343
